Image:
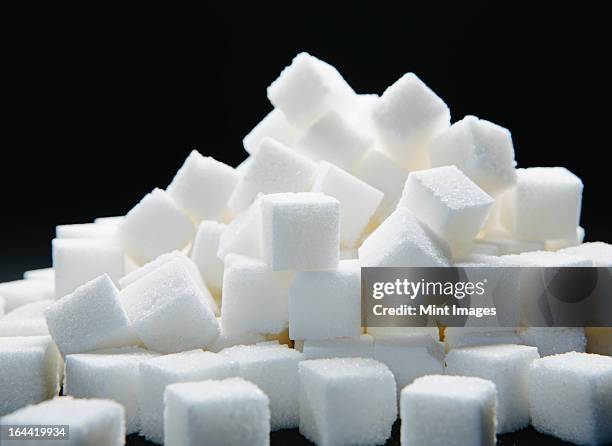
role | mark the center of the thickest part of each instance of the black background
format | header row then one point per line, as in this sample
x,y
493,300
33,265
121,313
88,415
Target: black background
x,y
103,102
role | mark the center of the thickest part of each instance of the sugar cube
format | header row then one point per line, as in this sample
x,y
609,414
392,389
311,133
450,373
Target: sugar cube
x,y
447,201
407,117
85,230
358,394
434,332
274,369
30,370
482,150
216,413
556,245
202,186
358,200
27,320
90,421
21,292
275,125
439,409
505,365
326,304
204,254
409,356
506,244
40,274
255,298
275,168
168,310
108,374
379,171
535,308
155,226
188,265
361,347
90,318
554,340
243,234
599,253
157,373
402,241
570,397
2,305
459,337
77,261
300,231
308,88
333,138
543,205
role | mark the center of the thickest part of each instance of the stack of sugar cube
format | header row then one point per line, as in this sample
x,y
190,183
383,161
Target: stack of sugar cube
x,y
228,305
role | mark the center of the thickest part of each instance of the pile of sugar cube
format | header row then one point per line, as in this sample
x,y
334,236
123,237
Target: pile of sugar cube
x,y
228,305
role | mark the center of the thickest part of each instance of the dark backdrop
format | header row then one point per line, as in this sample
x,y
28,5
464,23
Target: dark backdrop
x,y
104,102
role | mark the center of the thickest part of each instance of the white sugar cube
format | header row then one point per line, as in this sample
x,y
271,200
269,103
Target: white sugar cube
x,y
308,88
2,305
108,374
358,200
554,340
23,292
275,125
333,138
402,241
535,309
556,245
204,254
543,205
361,347
407,117
459,337
357,393
505,365
90,318
169,311
157,373
30,369
482,150
274,369
379,171
188,265
599,253
255,298
409,356
243,234
86,230
439,409
448,202
27,320
155,226
77,261
275,168
40,274
300,231
90,421
202,186
326,304
216,413
570,397
507,245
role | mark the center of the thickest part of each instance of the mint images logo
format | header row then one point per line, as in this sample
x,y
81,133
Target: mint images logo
x,y
486,297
